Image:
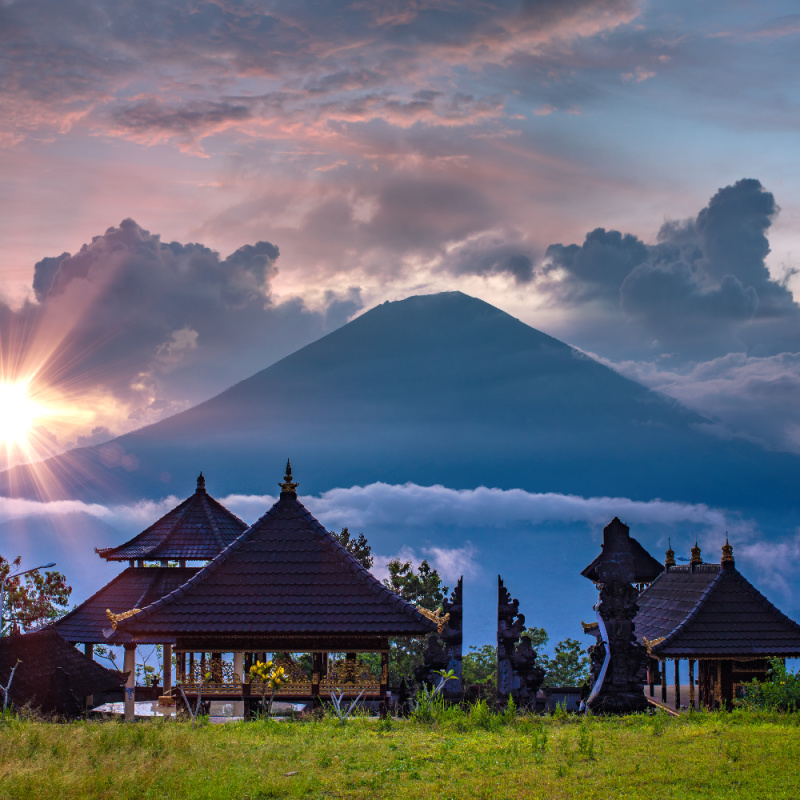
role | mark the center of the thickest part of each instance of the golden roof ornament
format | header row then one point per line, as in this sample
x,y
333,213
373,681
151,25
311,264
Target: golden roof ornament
x,y
117,618
727,553
435,616
669,561
288,485
696,557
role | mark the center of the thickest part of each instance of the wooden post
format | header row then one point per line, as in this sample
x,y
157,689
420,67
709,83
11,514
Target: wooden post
x,y
238,664
384,674
316,673
651,677
167,667
664,681
88,651
190,676
718,687
129,666
203,668
691,683
677,684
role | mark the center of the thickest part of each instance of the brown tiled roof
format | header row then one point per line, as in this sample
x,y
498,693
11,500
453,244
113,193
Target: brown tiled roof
x,y
620,547
198,529
53,675
135,587
285,576
712,611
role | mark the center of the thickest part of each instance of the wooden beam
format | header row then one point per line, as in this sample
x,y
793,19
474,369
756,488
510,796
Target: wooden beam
x,y
664,681
691,683
167,669
129,666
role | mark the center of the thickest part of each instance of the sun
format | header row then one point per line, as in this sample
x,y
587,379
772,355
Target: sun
x,y
18,414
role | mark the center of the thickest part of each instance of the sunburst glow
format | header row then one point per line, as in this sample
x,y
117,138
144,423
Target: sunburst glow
x,y
18,414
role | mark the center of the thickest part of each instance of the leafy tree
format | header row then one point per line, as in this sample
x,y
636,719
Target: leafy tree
x,y
569,666
479,665
356,547
424,588
33,598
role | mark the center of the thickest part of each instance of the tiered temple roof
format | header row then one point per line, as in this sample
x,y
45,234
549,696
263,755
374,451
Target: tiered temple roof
x,y
196,530
135,587
285,578
712,611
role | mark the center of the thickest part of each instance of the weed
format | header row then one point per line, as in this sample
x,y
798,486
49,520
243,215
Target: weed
x,y
586,742
659,723
481,716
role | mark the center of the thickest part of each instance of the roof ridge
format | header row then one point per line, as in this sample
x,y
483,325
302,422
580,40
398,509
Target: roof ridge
x,y
208,569
87,600
181,515
212,520
695,610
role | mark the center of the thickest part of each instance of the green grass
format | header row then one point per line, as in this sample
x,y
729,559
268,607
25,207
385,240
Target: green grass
x,y
745,755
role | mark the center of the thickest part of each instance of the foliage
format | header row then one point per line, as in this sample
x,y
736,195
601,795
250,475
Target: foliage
x,y
33,598
268,677
479,665
359,548
424,588
423,710
569,666
421,588
780,692
336,705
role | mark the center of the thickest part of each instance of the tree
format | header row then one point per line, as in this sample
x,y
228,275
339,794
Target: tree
x,y
568,667
479,665
39,598
356,547
423,588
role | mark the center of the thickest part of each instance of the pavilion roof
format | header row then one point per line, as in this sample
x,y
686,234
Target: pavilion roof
x,y
198,529
135,587
712,611
285,576
42,655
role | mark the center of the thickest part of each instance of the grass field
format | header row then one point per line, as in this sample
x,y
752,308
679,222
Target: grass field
x,y
742,755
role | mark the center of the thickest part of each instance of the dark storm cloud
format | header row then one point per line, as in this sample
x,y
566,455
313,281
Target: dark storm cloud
x,y
703,290
160,325
492,254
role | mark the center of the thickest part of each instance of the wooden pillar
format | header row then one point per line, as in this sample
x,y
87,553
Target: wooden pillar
x,y
664,681
691,683
652,665
316,673
203,667
167,668
677,684
238,664
384,674
129,666
216,667
718,686
190,676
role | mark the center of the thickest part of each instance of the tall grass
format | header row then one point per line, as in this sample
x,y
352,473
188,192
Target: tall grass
x,y
459,754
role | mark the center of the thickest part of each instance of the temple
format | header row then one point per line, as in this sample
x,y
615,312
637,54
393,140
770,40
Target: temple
x,y
283,586
196,530
712,616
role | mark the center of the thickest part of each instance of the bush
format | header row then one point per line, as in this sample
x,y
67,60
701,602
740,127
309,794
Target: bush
x,y
780,692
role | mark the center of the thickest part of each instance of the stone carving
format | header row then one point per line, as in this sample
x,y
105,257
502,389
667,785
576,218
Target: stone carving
x,y
518,675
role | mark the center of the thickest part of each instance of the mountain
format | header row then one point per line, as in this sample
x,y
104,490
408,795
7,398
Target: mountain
x,y
435,389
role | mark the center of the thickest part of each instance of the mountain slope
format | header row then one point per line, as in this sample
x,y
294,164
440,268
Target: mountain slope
x,y
432,389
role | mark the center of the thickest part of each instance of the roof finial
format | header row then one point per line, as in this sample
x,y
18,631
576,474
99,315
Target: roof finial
x,y
696,557
669,561
201,482
727,553
288,485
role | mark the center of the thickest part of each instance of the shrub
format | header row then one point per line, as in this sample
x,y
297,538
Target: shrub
x,y
780,692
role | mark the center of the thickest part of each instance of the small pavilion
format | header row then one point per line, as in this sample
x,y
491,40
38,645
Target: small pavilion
x,y
197,530
285,586
712,616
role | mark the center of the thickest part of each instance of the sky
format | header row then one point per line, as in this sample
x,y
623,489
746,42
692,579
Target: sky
x,y
192,190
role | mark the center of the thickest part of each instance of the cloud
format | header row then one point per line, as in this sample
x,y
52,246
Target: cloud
x,y
137,328
745,396
701,291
